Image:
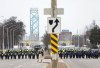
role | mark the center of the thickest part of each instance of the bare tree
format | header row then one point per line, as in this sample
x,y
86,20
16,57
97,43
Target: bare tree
x,y
9,24
46,39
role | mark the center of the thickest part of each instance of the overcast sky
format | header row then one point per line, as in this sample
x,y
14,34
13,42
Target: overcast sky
x,y
77,13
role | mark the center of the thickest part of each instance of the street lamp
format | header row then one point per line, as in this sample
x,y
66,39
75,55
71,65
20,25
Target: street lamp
x,y
8,35
3,41
13,36
12,41
97,35
77,38
4,36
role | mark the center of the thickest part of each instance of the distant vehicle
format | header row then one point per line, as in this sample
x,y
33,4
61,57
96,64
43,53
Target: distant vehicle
x,y
26,48
37,47
94,49
15,47
66,47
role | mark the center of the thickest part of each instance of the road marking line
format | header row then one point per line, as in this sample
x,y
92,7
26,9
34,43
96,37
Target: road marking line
x,y
18,66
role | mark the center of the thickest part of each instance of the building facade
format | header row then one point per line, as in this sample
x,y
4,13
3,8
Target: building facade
x,y
65,37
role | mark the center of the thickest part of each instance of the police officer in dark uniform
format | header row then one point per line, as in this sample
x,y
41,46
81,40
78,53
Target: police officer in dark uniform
x,y
5,55
70,54
19,54
83,54
86,53
60,54
96,54
76,54
73,54
1,55
89,54
22,54
26,53
37,54
66,54
80,54
29,54
33,54
15,54
42,52
11,54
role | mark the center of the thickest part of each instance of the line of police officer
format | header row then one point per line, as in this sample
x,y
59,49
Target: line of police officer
x,y
63,53
21,54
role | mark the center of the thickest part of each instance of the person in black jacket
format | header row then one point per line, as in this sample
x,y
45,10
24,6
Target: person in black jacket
x,y
37,54
33,55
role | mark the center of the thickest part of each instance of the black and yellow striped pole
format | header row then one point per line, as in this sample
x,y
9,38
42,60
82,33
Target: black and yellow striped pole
x,y
54,43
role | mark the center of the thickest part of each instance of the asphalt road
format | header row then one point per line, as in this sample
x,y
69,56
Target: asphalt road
x,y
21,63
83,63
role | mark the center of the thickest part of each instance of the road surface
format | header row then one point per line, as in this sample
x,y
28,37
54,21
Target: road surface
x,y
21,63
82,63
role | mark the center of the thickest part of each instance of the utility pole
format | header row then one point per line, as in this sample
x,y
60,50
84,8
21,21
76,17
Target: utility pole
x,y
54,11
77,38
3,41
8,39
53,7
